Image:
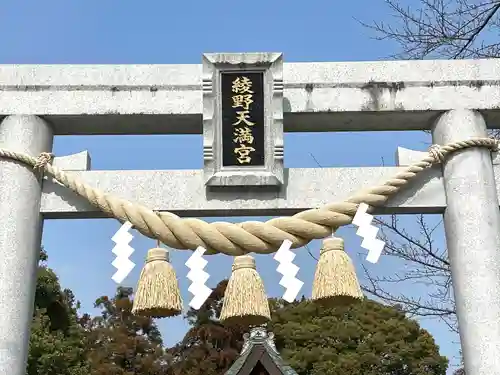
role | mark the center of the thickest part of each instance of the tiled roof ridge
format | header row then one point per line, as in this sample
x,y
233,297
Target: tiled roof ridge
x,y
259,337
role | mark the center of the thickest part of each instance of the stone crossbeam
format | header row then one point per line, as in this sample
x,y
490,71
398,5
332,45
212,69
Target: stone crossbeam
x,y
330,96
75,162
183,192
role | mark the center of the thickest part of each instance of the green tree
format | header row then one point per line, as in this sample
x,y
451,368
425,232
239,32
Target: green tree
x,y
56,340
208,348
366,338
120,343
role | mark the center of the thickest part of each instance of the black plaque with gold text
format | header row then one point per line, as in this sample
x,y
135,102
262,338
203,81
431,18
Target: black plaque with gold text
x,y
242,119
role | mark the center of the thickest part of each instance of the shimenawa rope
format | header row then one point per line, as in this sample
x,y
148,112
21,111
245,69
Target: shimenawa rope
x,y
251,236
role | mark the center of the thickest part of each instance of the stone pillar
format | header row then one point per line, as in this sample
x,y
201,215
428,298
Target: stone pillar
x,y
20,237
472,224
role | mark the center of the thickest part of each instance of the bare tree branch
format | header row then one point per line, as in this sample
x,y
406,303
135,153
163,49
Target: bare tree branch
x,y
454,29
426,266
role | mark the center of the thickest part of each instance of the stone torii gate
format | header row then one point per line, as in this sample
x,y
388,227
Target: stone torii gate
x,y
457,100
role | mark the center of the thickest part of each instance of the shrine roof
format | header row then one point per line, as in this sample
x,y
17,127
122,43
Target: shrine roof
x,y
259,347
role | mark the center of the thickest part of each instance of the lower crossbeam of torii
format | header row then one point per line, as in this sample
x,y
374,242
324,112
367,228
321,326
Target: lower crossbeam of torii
x,y
456,100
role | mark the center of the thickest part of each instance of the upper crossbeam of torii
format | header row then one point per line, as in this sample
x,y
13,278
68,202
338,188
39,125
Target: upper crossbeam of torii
x,y
317,97
456,100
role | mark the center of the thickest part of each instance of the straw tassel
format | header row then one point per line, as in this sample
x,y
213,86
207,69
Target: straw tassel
x,y
157,294
335,280
245,300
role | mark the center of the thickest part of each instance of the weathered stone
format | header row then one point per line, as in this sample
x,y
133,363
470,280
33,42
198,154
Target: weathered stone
x,y
269,66
472,222
305,188
20,236
329,96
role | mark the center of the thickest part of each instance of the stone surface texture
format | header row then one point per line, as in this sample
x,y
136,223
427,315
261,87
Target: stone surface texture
x,y
327,96
472,224
183,192
75,162
271,174
20,237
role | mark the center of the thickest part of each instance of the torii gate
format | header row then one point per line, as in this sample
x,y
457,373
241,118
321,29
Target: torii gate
x,y
457,100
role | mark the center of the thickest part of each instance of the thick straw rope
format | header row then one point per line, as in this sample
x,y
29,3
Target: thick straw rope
x,y
251,236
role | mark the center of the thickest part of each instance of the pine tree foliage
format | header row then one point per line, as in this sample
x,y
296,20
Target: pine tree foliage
x,y
57,340
365,338
120,343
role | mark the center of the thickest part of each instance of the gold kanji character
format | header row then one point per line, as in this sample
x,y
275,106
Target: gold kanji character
x,y
242,101
243,135
244,154
242,85
243,116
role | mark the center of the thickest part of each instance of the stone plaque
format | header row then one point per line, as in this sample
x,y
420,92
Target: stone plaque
x,y
243,119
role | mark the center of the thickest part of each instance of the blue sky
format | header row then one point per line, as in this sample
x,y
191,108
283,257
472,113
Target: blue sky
x,y
166,32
